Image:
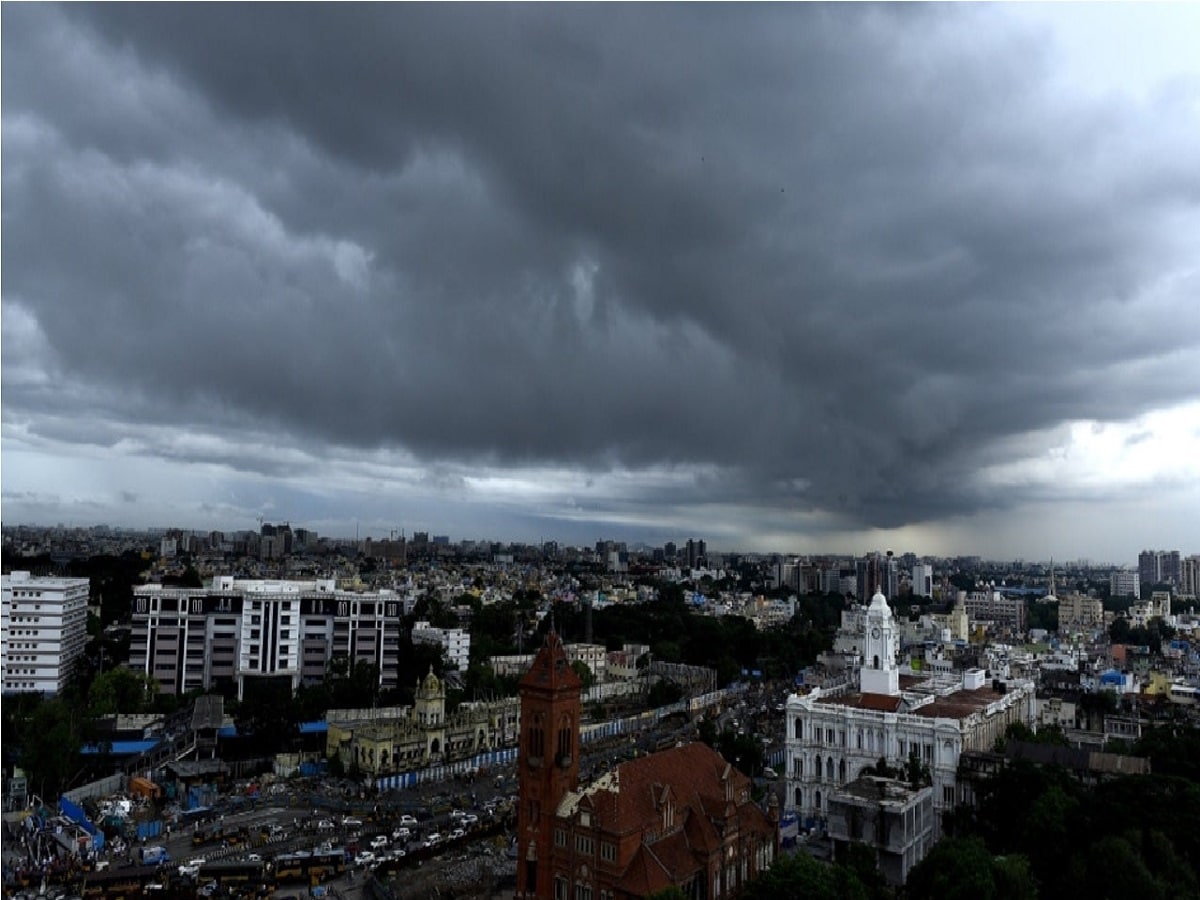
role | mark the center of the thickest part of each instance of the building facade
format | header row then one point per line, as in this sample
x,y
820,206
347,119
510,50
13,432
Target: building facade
x,y
389,742
680,818
200,638
43,630
833,736
891,817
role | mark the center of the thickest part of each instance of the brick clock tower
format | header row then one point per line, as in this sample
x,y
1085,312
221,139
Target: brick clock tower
x,y
548,760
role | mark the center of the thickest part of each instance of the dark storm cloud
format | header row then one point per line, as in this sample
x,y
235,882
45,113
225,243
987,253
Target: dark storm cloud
x,y
834,257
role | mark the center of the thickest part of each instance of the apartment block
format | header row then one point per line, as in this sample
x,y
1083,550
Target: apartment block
x,y
43,630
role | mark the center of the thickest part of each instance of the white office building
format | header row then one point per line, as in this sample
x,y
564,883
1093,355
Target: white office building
x,y
43,630
834,734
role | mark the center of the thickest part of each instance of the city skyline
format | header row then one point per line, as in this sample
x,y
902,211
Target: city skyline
x,y
792,279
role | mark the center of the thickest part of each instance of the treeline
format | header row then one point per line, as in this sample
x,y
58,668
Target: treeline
x,y
676,633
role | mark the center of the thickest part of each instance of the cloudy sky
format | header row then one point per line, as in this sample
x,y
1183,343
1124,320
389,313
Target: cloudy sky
x,y
797,278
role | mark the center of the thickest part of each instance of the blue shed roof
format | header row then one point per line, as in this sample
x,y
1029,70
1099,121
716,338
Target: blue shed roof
x,y
122,748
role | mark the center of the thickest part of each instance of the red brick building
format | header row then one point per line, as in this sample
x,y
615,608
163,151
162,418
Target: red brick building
x,y
681,817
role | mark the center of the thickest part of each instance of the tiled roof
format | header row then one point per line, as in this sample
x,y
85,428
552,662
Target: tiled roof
x,y
645,875
958,705
877,702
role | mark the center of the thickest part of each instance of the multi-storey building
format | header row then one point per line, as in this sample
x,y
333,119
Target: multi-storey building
x,y
993,606
455,643
1078,612
680,818
922,580
832,736
1159,566
199,638
43,630
1189,578
1124,583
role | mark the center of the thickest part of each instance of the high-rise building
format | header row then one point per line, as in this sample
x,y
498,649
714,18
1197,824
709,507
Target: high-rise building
x,y
43,630
1189,578
197,638
1159,567
922,580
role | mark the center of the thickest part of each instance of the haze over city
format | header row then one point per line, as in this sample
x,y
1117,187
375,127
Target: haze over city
x,y
789,278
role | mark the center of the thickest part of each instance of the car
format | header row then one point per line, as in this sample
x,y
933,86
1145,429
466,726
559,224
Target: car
x,y
401,833
457,833
325,825
470,819
253,857
433,840
364,858
351,822
408,820
379,842
456,814
191,868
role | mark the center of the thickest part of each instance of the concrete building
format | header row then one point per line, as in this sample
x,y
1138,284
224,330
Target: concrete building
x,y
190,638
1124,583
893,819
992,606
1077,612
455,642
43,630
834,734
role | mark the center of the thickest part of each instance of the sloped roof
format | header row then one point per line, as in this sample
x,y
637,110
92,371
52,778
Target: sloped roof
x,y
645,874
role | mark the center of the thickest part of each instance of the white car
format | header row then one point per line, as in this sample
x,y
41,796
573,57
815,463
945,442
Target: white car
x,y
364,858
457,833
433,840
470,819
351,822
408,820
379,842
401,834
191,868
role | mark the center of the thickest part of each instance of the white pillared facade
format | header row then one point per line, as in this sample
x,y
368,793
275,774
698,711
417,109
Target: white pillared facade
x,y
833,735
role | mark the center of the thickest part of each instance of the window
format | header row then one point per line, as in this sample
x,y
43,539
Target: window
x,y
584,844
560,888
608,851
560,837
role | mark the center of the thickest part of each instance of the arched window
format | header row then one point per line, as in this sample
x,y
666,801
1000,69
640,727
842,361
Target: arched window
x,y
876,660
798,798
842,771
799,728
817,801
818,769
829,770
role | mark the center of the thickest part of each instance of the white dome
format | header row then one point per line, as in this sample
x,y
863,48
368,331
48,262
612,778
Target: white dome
x,y
879,602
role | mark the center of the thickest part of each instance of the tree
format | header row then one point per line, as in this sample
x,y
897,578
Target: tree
x,y
584,671
121,690
955,869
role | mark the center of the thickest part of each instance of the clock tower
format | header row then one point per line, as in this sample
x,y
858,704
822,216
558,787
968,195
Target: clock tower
x,y
879,674
547,761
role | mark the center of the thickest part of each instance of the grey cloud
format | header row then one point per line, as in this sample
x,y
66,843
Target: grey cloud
x,y
821,249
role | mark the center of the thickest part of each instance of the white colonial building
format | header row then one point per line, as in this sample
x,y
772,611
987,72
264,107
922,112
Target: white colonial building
x,y
43,629
834,734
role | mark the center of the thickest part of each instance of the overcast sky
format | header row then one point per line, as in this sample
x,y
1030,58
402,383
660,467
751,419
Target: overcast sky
x,y
785,278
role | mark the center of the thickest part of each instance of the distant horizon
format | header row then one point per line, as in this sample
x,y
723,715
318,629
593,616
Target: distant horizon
x,y
681,543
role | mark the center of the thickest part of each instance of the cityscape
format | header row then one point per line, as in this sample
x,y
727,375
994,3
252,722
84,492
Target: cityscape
x,y
876,702
600,452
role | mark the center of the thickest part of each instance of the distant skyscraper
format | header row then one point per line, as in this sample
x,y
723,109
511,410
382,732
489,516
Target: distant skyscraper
x,y
1125,583
1159,567
922,580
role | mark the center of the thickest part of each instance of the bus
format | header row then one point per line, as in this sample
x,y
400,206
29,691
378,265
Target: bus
x,y
310,867
240,873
